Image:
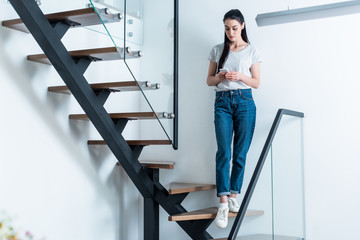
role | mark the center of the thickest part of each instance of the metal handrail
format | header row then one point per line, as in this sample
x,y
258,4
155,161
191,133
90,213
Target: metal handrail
x,y
244,205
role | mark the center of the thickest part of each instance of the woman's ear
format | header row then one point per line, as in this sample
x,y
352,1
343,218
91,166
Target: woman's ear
x,y
242,25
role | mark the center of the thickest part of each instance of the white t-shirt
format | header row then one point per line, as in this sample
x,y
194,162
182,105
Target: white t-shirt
x,y
240,61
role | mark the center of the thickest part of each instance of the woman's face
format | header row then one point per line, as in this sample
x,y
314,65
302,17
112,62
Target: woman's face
x,y
233,29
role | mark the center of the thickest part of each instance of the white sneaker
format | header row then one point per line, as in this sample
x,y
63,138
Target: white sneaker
x,y
221,219
233,205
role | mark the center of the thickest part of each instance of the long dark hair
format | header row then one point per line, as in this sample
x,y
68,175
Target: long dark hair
x,y
236,15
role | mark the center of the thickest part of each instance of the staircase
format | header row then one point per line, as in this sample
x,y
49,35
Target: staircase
x,y
71,65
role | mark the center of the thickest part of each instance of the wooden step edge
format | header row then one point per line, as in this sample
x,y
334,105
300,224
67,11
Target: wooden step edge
x,y
134,142
16,24
76,18
129,116
156,164
209,213
58,15
59,89
96,54
112,86
177,188
42,58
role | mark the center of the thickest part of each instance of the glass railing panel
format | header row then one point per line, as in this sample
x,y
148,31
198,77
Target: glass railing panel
x,y
157,61
116,31
288,179
144,39
261,224
134,14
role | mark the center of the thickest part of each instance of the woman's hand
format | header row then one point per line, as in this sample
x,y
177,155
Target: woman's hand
x,y
214,79
253,81
221,76
234,76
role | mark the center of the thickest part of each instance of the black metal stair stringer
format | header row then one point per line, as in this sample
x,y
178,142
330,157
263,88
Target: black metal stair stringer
x,y
102,95
65,65
83,63
120,124
61,28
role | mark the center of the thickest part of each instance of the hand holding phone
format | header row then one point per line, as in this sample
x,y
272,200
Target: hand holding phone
x,y
224,70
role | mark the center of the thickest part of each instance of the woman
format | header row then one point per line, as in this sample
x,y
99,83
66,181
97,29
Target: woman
x,y
234,70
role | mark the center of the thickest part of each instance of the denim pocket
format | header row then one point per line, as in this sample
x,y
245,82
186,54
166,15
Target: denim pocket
x,y
247,95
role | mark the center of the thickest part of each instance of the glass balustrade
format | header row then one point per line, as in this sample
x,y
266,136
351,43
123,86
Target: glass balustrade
x,y
278,193
258,226
288,180
144,38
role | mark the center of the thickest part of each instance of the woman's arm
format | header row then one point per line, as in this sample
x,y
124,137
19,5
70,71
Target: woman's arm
x,y
214,79
253,81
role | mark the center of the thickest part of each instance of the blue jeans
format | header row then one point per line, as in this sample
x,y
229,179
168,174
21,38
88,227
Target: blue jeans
x,y
235,115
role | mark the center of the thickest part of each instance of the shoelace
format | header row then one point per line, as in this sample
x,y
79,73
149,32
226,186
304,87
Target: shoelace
x,y
234,203
222,213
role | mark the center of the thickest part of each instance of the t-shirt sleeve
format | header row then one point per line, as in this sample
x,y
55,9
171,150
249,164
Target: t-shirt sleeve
x,y
256,57
212,55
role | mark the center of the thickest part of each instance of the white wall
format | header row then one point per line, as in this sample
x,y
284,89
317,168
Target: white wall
x,y
309,66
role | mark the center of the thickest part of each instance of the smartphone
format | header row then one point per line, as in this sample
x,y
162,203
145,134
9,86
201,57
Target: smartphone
x,y
224,70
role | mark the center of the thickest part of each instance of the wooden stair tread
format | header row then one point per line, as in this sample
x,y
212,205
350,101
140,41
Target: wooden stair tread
x,y
263,237
156,164
209,213
176,187
134,142
97,54
112,86
77,18
129,116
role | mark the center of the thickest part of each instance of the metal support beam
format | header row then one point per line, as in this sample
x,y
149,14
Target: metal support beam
x,y
120,124
83,63
60,28
151,211
177,198
137,151
201,226
102,96
197,229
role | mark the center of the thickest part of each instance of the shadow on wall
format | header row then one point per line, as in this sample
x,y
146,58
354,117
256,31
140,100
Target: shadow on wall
x,y
99,154
58,102
129,202
127,199
22,74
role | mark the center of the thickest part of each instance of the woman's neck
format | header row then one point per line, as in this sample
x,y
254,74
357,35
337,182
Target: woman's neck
x,y
238,44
